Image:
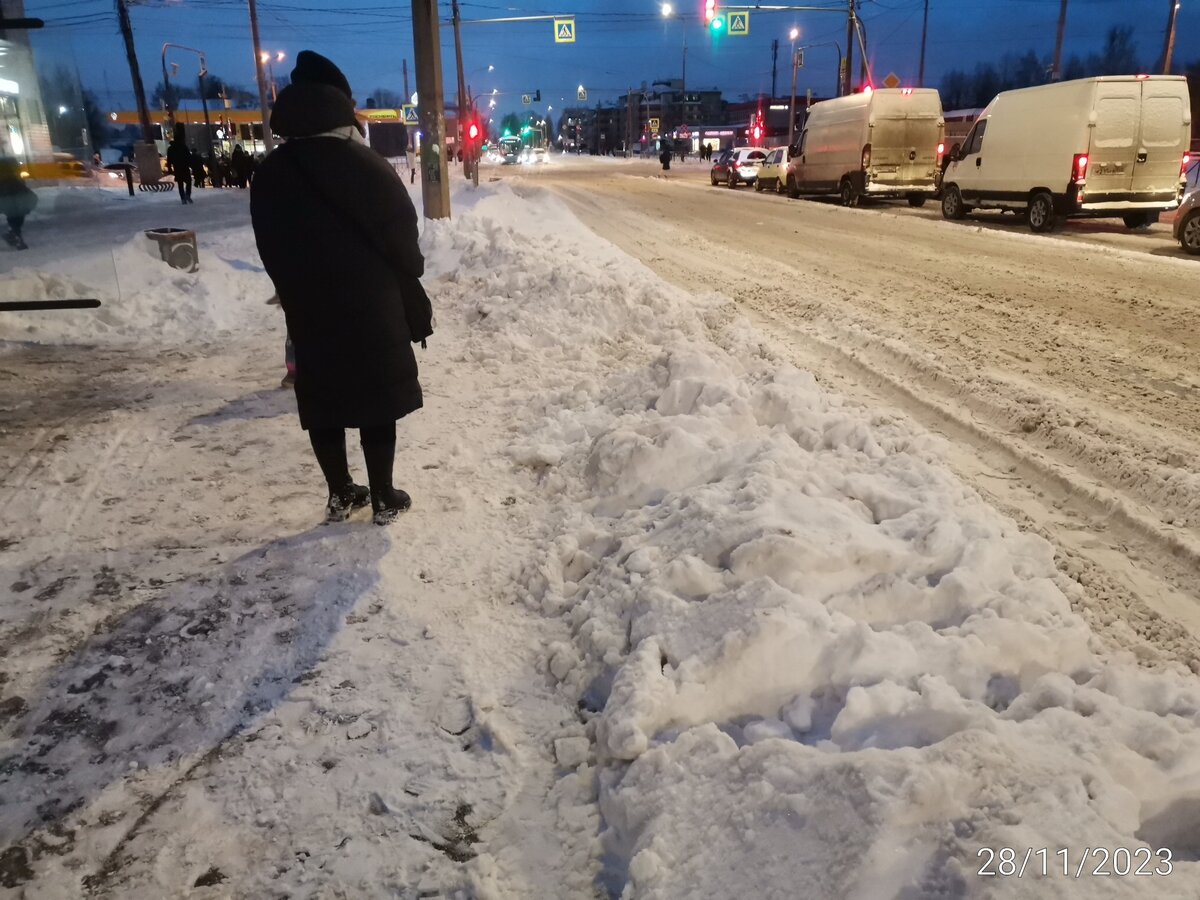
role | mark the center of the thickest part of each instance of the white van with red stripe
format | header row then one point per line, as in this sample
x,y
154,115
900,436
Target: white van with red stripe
x,y
1110,146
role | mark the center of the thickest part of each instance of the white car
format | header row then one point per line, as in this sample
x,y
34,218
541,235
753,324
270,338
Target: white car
x,y
772,174
738,165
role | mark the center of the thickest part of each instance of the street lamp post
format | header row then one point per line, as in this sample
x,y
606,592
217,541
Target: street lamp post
x,y
267,60
203,99
1169,46
793,34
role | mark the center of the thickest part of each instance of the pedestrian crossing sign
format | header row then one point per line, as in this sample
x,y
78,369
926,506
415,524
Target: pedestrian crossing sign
x,y
564,31
739,24
410,115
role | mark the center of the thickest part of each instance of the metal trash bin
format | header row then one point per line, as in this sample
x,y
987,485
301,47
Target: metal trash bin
x,y
177,247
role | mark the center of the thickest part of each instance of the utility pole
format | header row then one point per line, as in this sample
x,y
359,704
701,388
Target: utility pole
x,y
462,94
629,122
406,93
435,185
851,32
774,66
1169,46
792,114
924,40
1056,66
139,89
268,140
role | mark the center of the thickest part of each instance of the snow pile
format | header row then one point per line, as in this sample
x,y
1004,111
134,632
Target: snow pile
x,y
818,666
143,299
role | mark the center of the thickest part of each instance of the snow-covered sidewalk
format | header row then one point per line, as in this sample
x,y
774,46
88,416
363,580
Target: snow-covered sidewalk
x,y
668,619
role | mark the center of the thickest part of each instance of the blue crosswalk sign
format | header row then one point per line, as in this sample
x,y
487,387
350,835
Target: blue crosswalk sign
x,y
739,23
564,31
410,115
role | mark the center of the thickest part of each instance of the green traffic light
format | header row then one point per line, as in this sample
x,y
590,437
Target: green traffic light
x,y
718,23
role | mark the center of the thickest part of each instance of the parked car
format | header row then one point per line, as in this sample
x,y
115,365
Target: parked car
x,y
736,166
772,173
1108,146
884,143
1187,223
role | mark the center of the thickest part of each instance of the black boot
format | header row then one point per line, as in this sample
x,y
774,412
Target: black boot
x,y
345,500
329,445
379,450
388,503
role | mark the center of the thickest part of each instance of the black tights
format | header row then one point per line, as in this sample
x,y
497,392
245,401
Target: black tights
x,y
379,450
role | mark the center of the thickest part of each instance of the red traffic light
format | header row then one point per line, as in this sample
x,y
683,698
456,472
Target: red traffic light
x,y
710,11
473,131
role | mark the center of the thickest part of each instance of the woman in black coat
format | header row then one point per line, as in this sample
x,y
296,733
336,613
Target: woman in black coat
x,y
337,233
16,201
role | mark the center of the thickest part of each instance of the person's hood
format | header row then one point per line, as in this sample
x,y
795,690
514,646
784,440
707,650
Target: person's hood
x,y
307,109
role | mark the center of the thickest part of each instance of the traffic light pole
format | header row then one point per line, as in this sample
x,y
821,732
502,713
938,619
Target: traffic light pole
x,y
435,185
139,89
462,94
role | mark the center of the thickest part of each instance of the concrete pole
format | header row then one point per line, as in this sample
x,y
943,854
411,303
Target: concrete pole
x,y
435,182
268,140
139,89
924,41
1056,66
851,31
1169,46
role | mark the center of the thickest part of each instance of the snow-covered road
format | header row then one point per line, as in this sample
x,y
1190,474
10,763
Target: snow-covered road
x,y
689,602
1065,369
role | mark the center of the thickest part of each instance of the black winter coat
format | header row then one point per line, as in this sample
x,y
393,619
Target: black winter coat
x,y
179,160
337,234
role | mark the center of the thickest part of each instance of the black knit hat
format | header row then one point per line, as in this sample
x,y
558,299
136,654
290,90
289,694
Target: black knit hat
x,y
313,68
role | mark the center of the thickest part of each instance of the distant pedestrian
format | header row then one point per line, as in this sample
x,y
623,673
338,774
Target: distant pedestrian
x,y
665,157
16,201
337,234
179,164
198,173
239,174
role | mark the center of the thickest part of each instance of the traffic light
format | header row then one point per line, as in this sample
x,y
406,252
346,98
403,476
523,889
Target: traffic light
x,y
712,18
473,132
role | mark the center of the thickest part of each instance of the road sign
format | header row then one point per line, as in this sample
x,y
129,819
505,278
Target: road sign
x,y
654,126
526,99
739,24
410,115
564,31
581,94
800,58
892,81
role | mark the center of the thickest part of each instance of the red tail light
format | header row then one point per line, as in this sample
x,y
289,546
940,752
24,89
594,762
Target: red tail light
x,y
1079,168
866,156
941,150
1187,161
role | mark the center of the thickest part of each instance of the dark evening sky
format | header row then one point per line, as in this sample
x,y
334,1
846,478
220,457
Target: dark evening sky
x,y
620,42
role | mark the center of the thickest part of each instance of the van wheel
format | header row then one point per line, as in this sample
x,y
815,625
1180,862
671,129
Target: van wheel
x,y
952,203
848,194
793,190
1040,213
1189,234
1139,219
714,179
758,185
916,200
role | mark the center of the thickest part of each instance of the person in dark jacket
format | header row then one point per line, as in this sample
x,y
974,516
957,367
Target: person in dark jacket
x,y
337,233
16,201
665,157
179,164
198,172
239,167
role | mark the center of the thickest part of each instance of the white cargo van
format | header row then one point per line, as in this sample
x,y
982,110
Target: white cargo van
x,y
1109,146
882,143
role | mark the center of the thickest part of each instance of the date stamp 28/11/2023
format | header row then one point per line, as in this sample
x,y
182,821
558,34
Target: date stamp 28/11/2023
x,y
1088,862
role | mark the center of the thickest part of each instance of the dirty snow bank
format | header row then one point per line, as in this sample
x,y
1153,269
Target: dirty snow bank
x,y
814,664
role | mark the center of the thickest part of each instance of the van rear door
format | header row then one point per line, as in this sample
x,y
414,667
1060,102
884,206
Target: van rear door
x,y
904,134
1114,150
1164,139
